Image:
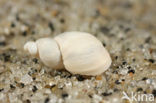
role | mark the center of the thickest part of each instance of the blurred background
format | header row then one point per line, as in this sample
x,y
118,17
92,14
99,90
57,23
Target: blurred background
x,y
38,18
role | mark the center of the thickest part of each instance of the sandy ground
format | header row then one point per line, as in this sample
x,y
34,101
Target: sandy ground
x,y
127,28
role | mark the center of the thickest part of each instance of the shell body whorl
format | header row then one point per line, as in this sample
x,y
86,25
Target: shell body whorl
x,y
82,53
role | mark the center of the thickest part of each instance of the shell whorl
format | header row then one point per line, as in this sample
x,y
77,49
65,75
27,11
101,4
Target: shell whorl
x,y
50,53
47,50
31,48
82,53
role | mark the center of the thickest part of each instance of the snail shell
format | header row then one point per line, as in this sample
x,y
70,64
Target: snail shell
x,y
77,52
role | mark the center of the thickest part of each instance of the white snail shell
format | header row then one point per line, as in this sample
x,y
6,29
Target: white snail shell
x,y
77,52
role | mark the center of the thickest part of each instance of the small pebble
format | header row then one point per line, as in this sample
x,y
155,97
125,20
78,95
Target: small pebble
x,y
51,26
154,92
80,78
12,87
134,60
123,80
13,25
22,85
27,101
116,57
129,67
33,32
35,60
106,94
34,89
64,95
1,89
2,43
127,29
151,60
47,100
117,82
62,20
139,89
128,49
104,29
144,78
131,71
147,40
90,96
124,63
104,44
26,79
17,17
115,90
99,77
6,57
34,78
24,33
